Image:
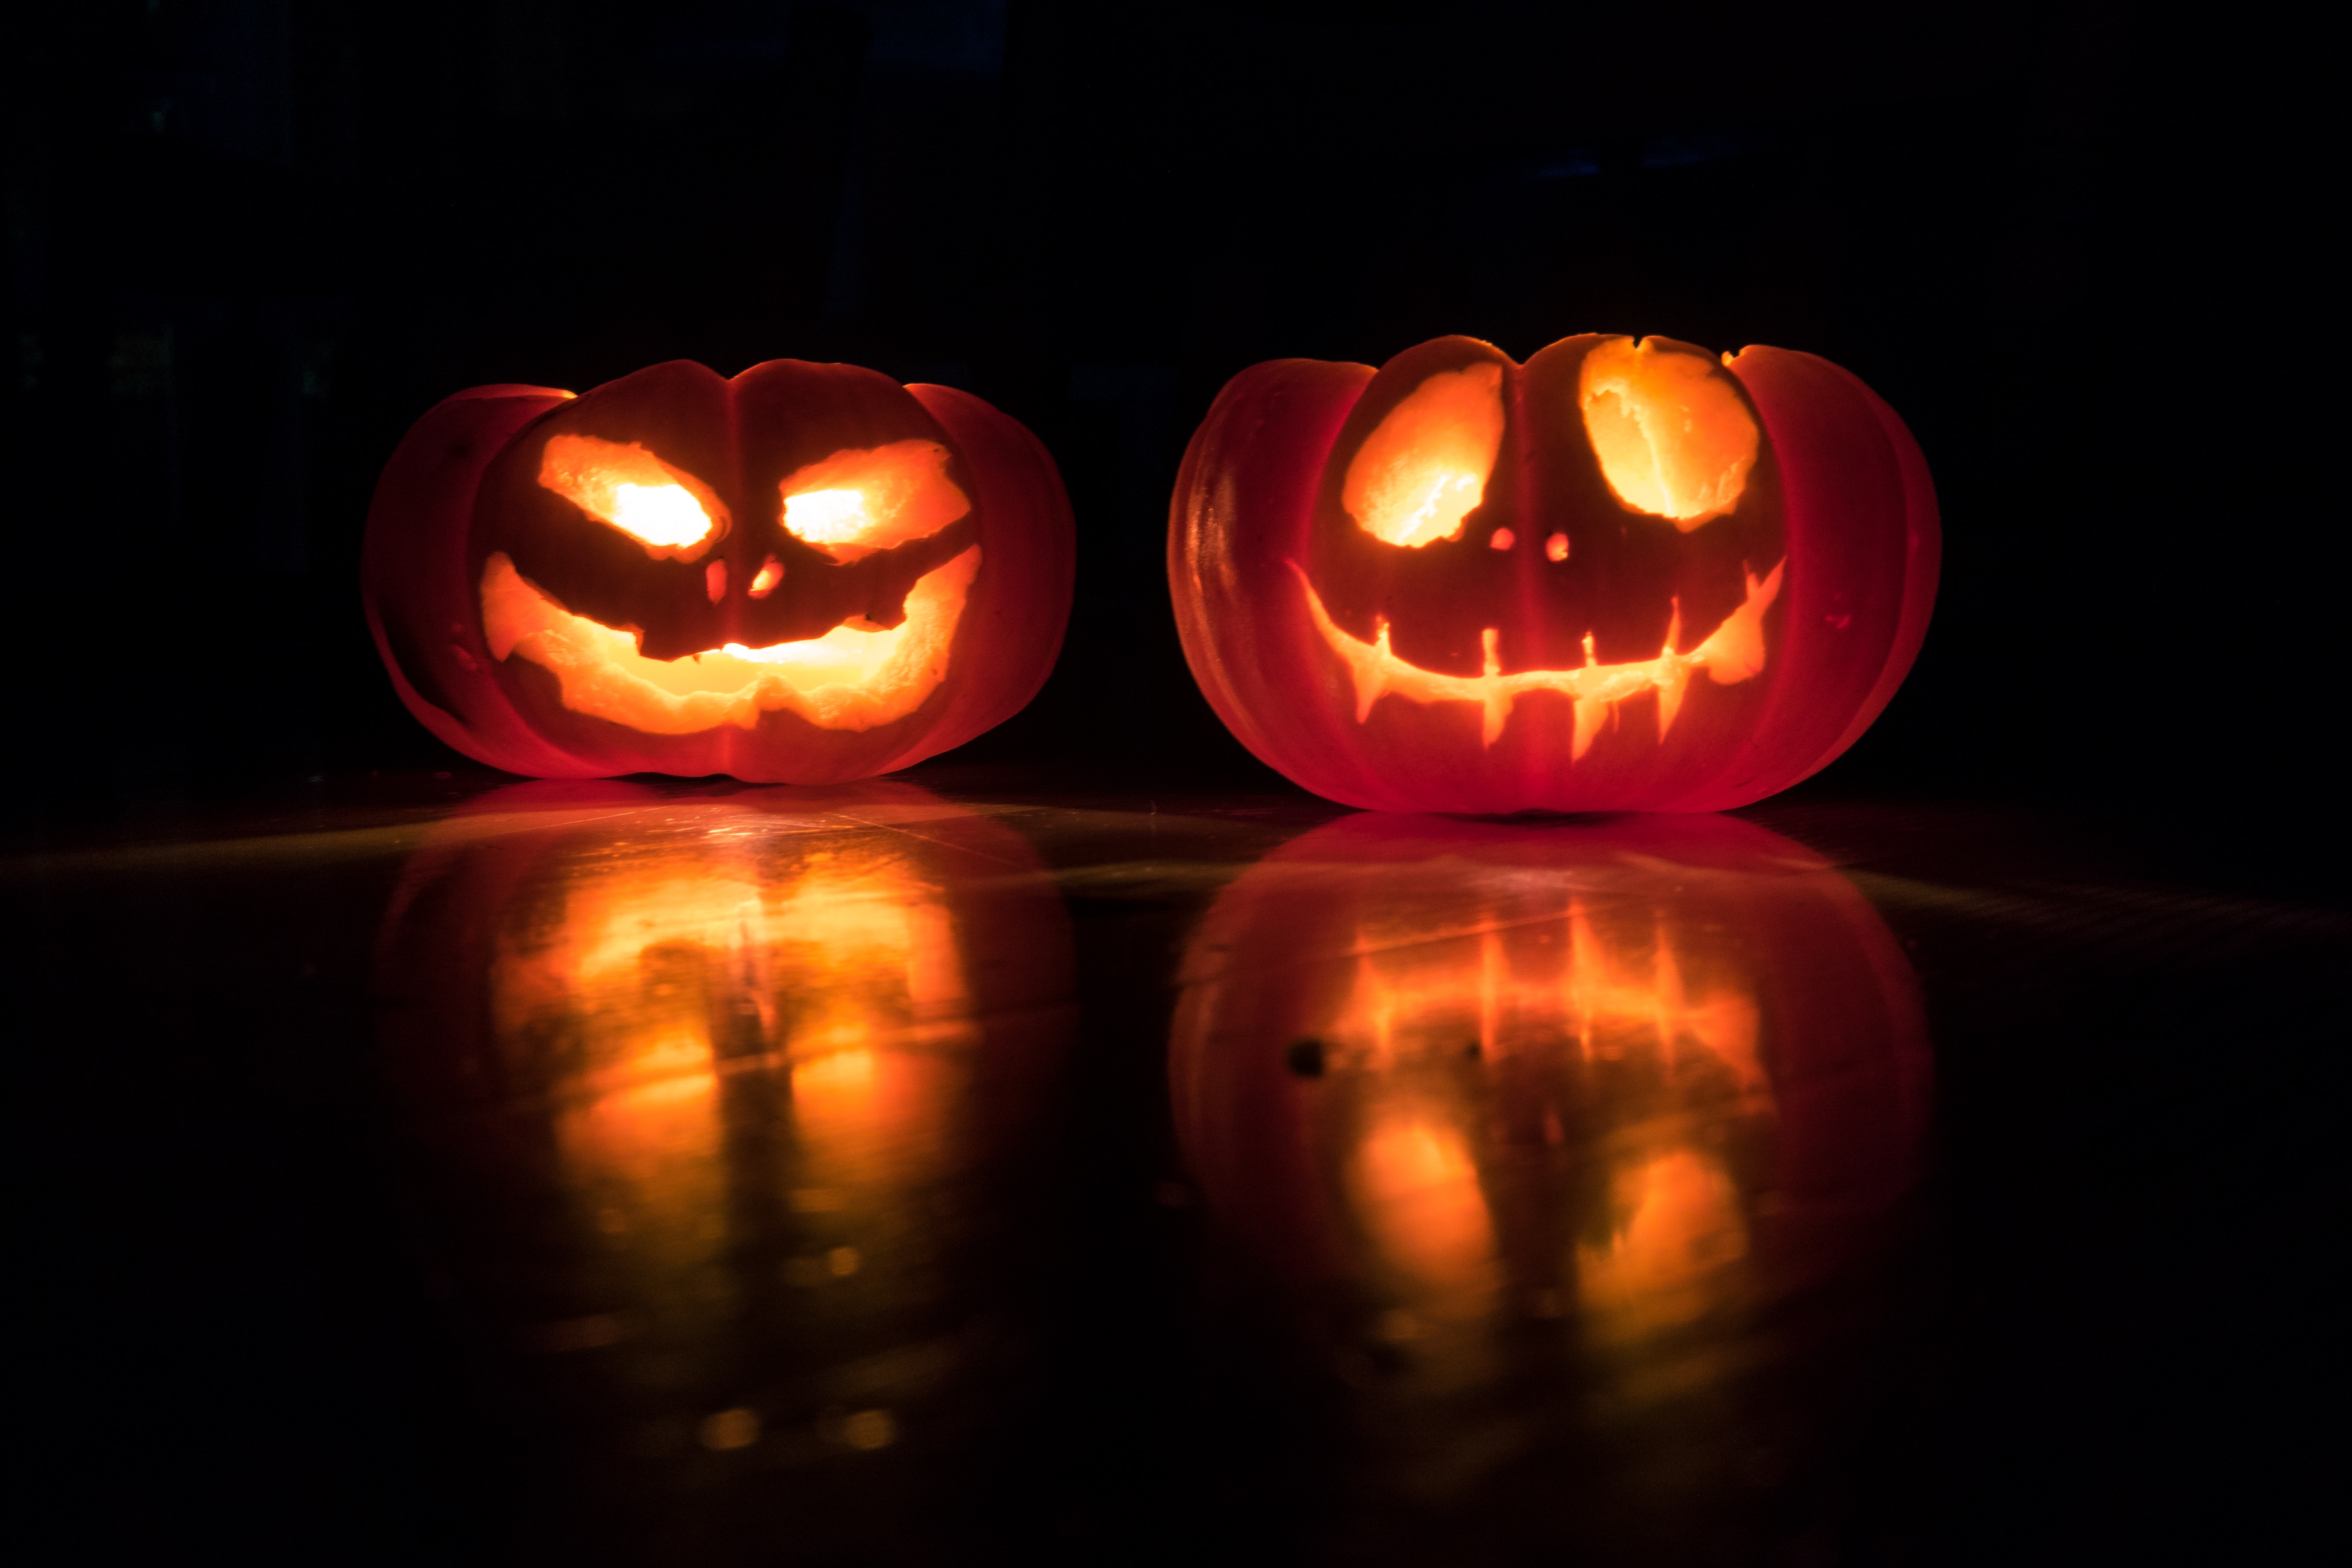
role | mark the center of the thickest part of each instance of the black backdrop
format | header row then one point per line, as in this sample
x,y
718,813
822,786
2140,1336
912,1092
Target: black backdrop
x,y
252,240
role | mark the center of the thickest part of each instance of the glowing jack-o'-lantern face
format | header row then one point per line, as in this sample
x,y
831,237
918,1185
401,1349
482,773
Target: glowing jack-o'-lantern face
x,y
807,573
1456,1079
1623,575
719,1088
1599,572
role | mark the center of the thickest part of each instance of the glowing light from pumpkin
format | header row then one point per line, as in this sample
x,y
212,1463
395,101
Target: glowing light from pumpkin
x,y
852,678
669,976
872,497
1675,438
1733,652
1679,1224
1537,986
828,517
1418,1189
666,509
1423,468
659,514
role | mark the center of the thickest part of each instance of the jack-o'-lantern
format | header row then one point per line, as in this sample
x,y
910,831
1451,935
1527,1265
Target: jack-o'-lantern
x,y
711,1104
807,575
1532,1123
1621,576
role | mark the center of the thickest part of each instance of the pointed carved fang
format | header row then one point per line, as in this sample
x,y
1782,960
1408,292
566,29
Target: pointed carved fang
x,y
1733,652
1672,687
1590,712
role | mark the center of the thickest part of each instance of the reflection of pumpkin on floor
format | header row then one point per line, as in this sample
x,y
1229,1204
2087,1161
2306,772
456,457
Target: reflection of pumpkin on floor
x,y
823,1015
717,1093
1459,1080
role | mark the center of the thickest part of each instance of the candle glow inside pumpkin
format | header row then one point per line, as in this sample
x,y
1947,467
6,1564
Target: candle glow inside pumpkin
x,y
856,676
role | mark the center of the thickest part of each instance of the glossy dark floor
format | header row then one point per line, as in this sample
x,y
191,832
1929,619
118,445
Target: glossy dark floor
x,y
691,1174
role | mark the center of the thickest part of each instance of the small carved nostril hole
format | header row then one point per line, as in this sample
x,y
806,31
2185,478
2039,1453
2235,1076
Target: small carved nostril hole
x,y
1555,547
763,582
714,581
1501,539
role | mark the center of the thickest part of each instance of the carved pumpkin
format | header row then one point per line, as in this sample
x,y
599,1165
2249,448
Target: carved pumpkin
x,y
1453,1079
1621,576
808,574
708,1103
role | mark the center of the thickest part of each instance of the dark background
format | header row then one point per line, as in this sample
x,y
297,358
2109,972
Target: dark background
x,y
2080,251
252,241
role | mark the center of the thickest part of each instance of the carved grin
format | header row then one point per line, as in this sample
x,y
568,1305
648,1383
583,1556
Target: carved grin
x,y
852,677
1731,654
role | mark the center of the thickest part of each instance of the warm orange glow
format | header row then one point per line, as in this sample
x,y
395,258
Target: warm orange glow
x,y
661,978
852,678
1456,1011
1418,1191
666,509
867,498
1678,1225
1501,539
1423,468
1733,652
1672,435
764,581
1555,547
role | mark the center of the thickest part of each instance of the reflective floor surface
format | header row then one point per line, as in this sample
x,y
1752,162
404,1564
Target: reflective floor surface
x,y
455,1171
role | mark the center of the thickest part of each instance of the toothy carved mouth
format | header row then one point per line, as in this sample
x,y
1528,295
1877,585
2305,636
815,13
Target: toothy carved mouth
x,y
852,678
1731,654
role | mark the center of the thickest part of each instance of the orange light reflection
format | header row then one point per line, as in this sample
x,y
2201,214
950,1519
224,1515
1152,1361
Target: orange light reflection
x,y
1470,1039
677,980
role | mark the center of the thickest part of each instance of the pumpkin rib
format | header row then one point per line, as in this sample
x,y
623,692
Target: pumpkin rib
x,y
1238,512
1032,542
413,563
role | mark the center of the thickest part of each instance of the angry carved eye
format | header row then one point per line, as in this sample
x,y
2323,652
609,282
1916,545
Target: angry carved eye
x,y
1423,468
867,498
666,509
1674,437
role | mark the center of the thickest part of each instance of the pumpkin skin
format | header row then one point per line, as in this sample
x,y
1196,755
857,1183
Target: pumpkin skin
x,y
535,635
1564,648
1448,1067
